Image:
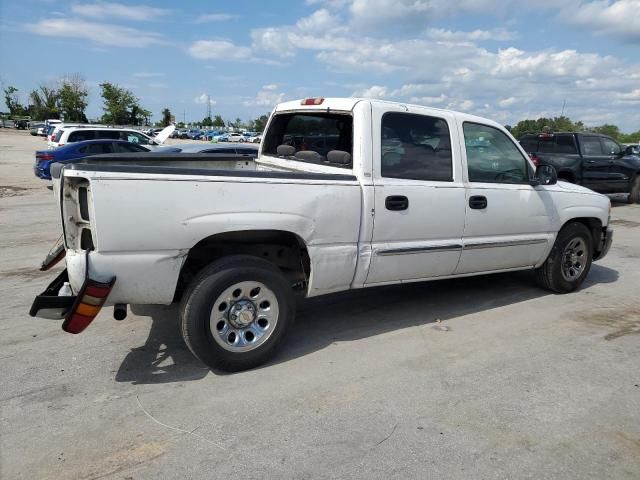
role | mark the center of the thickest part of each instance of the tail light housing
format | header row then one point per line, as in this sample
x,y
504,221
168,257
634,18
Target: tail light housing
x,y
44,156
88,304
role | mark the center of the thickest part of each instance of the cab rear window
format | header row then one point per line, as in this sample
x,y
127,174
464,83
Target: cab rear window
x,y
320,138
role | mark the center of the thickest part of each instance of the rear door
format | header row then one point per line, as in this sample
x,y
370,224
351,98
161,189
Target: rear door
x,y
595,163
508,221
418,195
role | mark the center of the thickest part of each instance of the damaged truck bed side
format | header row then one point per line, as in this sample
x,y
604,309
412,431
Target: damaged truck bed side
x,y
345,193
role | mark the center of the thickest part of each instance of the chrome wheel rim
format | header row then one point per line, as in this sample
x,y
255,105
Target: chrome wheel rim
x,y
244,316
574,259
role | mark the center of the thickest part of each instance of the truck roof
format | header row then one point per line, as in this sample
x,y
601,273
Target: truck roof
x,y
348,104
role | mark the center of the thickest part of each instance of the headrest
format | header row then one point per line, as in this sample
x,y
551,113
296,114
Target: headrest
x,y
286,150
339,156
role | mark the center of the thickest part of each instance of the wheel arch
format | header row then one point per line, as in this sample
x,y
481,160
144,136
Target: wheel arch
x,y
284,249
593,224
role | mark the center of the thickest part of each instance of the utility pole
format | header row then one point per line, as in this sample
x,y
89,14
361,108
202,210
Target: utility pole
x,y
208,106
564,102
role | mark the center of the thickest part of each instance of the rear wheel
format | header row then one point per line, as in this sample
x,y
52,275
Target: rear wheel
x,y
569,261
236,312
634,194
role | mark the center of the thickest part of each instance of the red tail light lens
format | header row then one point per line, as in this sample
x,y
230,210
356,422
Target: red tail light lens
x,y
44,156
88,304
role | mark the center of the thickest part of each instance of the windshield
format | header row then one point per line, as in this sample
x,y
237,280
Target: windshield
x,y
321,138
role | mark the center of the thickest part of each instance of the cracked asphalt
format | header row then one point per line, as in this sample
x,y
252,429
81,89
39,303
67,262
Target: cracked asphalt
x,y
486,377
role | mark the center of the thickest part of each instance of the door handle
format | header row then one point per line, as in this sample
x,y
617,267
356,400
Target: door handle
x,y
478,202
396,202
591,161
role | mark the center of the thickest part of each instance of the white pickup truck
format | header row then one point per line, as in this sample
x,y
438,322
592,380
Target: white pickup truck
x,y
345,193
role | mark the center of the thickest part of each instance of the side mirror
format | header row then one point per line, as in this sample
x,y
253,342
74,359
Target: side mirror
x,y
545,175
629,151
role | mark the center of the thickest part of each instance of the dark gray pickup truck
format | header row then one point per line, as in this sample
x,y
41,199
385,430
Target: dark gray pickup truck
x,y
593,160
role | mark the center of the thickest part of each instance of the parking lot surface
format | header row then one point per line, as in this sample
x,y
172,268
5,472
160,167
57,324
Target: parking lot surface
x,y
486,377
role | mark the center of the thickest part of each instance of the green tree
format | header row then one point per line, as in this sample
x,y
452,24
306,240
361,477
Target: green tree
x,y
218,121
121,106
607,129
207,122
260,123
630,137
73,95
166,117
45,103
12,100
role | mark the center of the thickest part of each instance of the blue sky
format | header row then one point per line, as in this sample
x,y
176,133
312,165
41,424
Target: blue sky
x,y
505,59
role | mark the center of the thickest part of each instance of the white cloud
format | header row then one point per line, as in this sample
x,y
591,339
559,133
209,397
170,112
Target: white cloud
x,y
507,102
218,50
268,96
461,105
498,34
319,21
215,17
203,98
100,33
618,18
118,10
375,91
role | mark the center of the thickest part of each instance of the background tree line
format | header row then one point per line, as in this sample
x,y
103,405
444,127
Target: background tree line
x,y
67,98
565,124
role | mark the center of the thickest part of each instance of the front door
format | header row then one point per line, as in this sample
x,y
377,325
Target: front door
x,y
419,196
508,222
595,163
620,172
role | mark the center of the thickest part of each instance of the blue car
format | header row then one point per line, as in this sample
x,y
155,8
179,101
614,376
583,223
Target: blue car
x,y
72,151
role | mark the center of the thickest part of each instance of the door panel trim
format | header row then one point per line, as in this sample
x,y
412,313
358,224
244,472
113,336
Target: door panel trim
x,y
508,243
409,250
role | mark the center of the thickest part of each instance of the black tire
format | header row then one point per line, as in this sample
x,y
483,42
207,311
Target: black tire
x,y
199,299
550,276
634,194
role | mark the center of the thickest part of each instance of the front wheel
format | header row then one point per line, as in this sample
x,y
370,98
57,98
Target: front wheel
x,y
569,261
236,312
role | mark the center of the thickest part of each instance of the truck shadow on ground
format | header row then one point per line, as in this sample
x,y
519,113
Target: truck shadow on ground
x,y
341,317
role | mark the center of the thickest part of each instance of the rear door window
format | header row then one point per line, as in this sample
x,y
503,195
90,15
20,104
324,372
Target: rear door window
x,y
416,147
565,144
81,135
97,148
129,148
107,134
591,146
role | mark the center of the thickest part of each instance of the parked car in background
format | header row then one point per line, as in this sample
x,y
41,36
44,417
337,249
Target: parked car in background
x,y
257,138
634,148
590,159
78,134
36,129
236,137
77,150
195,134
